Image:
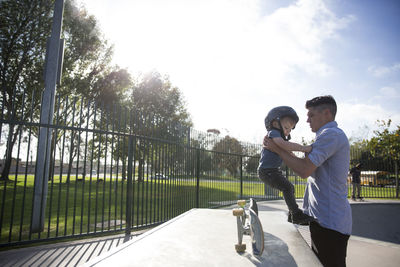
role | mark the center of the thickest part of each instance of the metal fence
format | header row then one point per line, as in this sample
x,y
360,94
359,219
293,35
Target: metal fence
x,y
113,170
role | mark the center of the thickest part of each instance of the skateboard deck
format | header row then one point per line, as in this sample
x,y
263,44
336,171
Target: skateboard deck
x,y
248,223
256,233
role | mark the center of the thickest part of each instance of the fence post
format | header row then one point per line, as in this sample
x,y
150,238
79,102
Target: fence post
x,y
129,192
52,73
197,177
397,178
241,177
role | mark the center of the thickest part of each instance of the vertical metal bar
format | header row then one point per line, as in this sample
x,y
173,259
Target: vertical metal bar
x,y
78,134
125,165
160,183
91,164
155,167
98,170
16,171
129,191
107,114
61,170
147,197
396,166
118,145
241,177
52,173
84,164
197,178
47,109
167,205
27,166
4,191
70,163
150,197
8,156
133,180
111,168
139,219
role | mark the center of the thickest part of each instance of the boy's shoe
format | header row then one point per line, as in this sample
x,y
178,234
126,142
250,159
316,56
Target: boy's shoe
x,y
300,218
289,217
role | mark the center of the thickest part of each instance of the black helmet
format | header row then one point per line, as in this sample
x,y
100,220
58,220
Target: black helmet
x,y
278,113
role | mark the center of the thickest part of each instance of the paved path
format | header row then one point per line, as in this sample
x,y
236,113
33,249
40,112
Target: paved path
x,y
376,232
375,240
207,237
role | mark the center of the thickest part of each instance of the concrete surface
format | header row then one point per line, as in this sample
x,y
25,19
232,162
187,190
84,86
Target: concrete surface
x,y
374,242
70,253
377,220
375,238
206,237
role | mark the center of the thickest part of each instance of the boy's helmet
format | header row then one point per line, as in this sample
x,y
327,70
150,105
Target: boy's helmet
x,y
278,113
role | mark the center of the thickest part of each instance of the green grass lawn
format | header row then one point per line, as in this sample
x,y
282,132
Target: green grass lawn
x,y
96,205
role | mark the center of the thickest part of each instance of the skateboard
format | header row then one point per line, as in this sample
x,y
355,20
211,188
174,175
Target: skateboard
x,y
248,223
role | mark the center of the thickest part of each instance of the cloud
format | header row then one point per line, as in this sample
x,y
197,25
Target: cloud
x,y
381,71
351,116
231,61
390,92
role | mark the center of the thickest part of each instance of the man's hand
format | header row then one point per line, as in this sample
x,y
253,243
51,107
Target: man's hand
x,y
269,144
302,166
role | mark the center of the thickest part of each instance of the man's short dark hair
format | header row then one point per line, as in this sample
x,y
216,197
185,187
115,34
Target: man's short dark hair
x,y
323,102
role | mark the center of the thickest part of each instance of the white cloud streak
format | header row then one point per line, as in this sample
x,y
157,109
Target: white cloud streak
x,y
381,71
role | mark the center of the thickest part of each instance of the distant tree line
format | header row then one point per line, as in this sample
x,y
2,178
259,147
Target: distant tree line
x,y
381,152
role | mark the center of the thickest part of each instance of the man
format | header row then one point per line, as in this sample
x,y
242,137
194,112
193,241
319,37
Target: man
x,y
325,197
355,175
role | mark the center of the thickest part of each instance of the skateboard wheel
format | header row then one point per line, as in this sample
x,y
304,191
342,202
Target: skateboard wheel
x,y
240,248
241,203
237,212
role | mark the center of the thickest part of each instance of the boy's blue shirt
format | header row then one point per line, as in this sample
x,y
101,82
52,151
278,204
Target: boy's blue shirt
x,y
268,158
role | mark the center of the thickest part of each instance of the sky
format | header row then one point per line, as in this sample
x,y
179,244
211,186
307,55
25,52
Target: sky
x,y
234,60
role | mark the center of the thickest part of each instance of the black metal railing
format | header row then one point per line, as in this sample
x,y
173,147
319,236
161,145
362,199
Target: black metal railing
x,y
113,170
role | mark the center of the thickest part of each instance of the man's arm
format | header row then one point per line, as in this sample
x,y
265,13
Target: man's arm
x,y
303,167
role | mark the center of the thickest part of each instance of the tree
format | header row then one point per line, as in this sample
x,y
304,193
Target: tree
x,y
252,163
157,109
386,143
23,31
25,25
154,97
230,152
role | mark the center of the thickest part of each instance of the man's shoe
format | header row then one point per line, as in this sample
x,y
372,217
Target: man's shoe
x,y
300,218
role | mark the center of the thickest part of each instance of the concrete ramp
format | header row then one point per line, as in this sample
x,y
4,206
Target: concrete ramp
x,y
206,237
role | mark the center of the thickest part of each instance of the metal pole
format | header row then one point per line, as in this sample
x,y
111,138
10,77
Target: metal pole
x,y
397,178
129,193
52,73
198,178
241,177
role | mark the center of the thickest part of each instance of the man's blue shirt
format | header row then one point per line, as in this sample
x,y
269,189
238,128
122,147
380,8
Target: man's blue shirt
x,y
268,158
326,194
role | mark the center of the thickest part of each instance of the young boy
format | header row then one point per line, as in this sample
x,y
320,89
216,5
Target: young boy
x,y
279,122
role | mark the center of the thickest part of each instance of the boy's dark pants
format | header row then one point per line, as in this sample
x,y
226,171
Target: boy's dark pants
x,y
274,178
